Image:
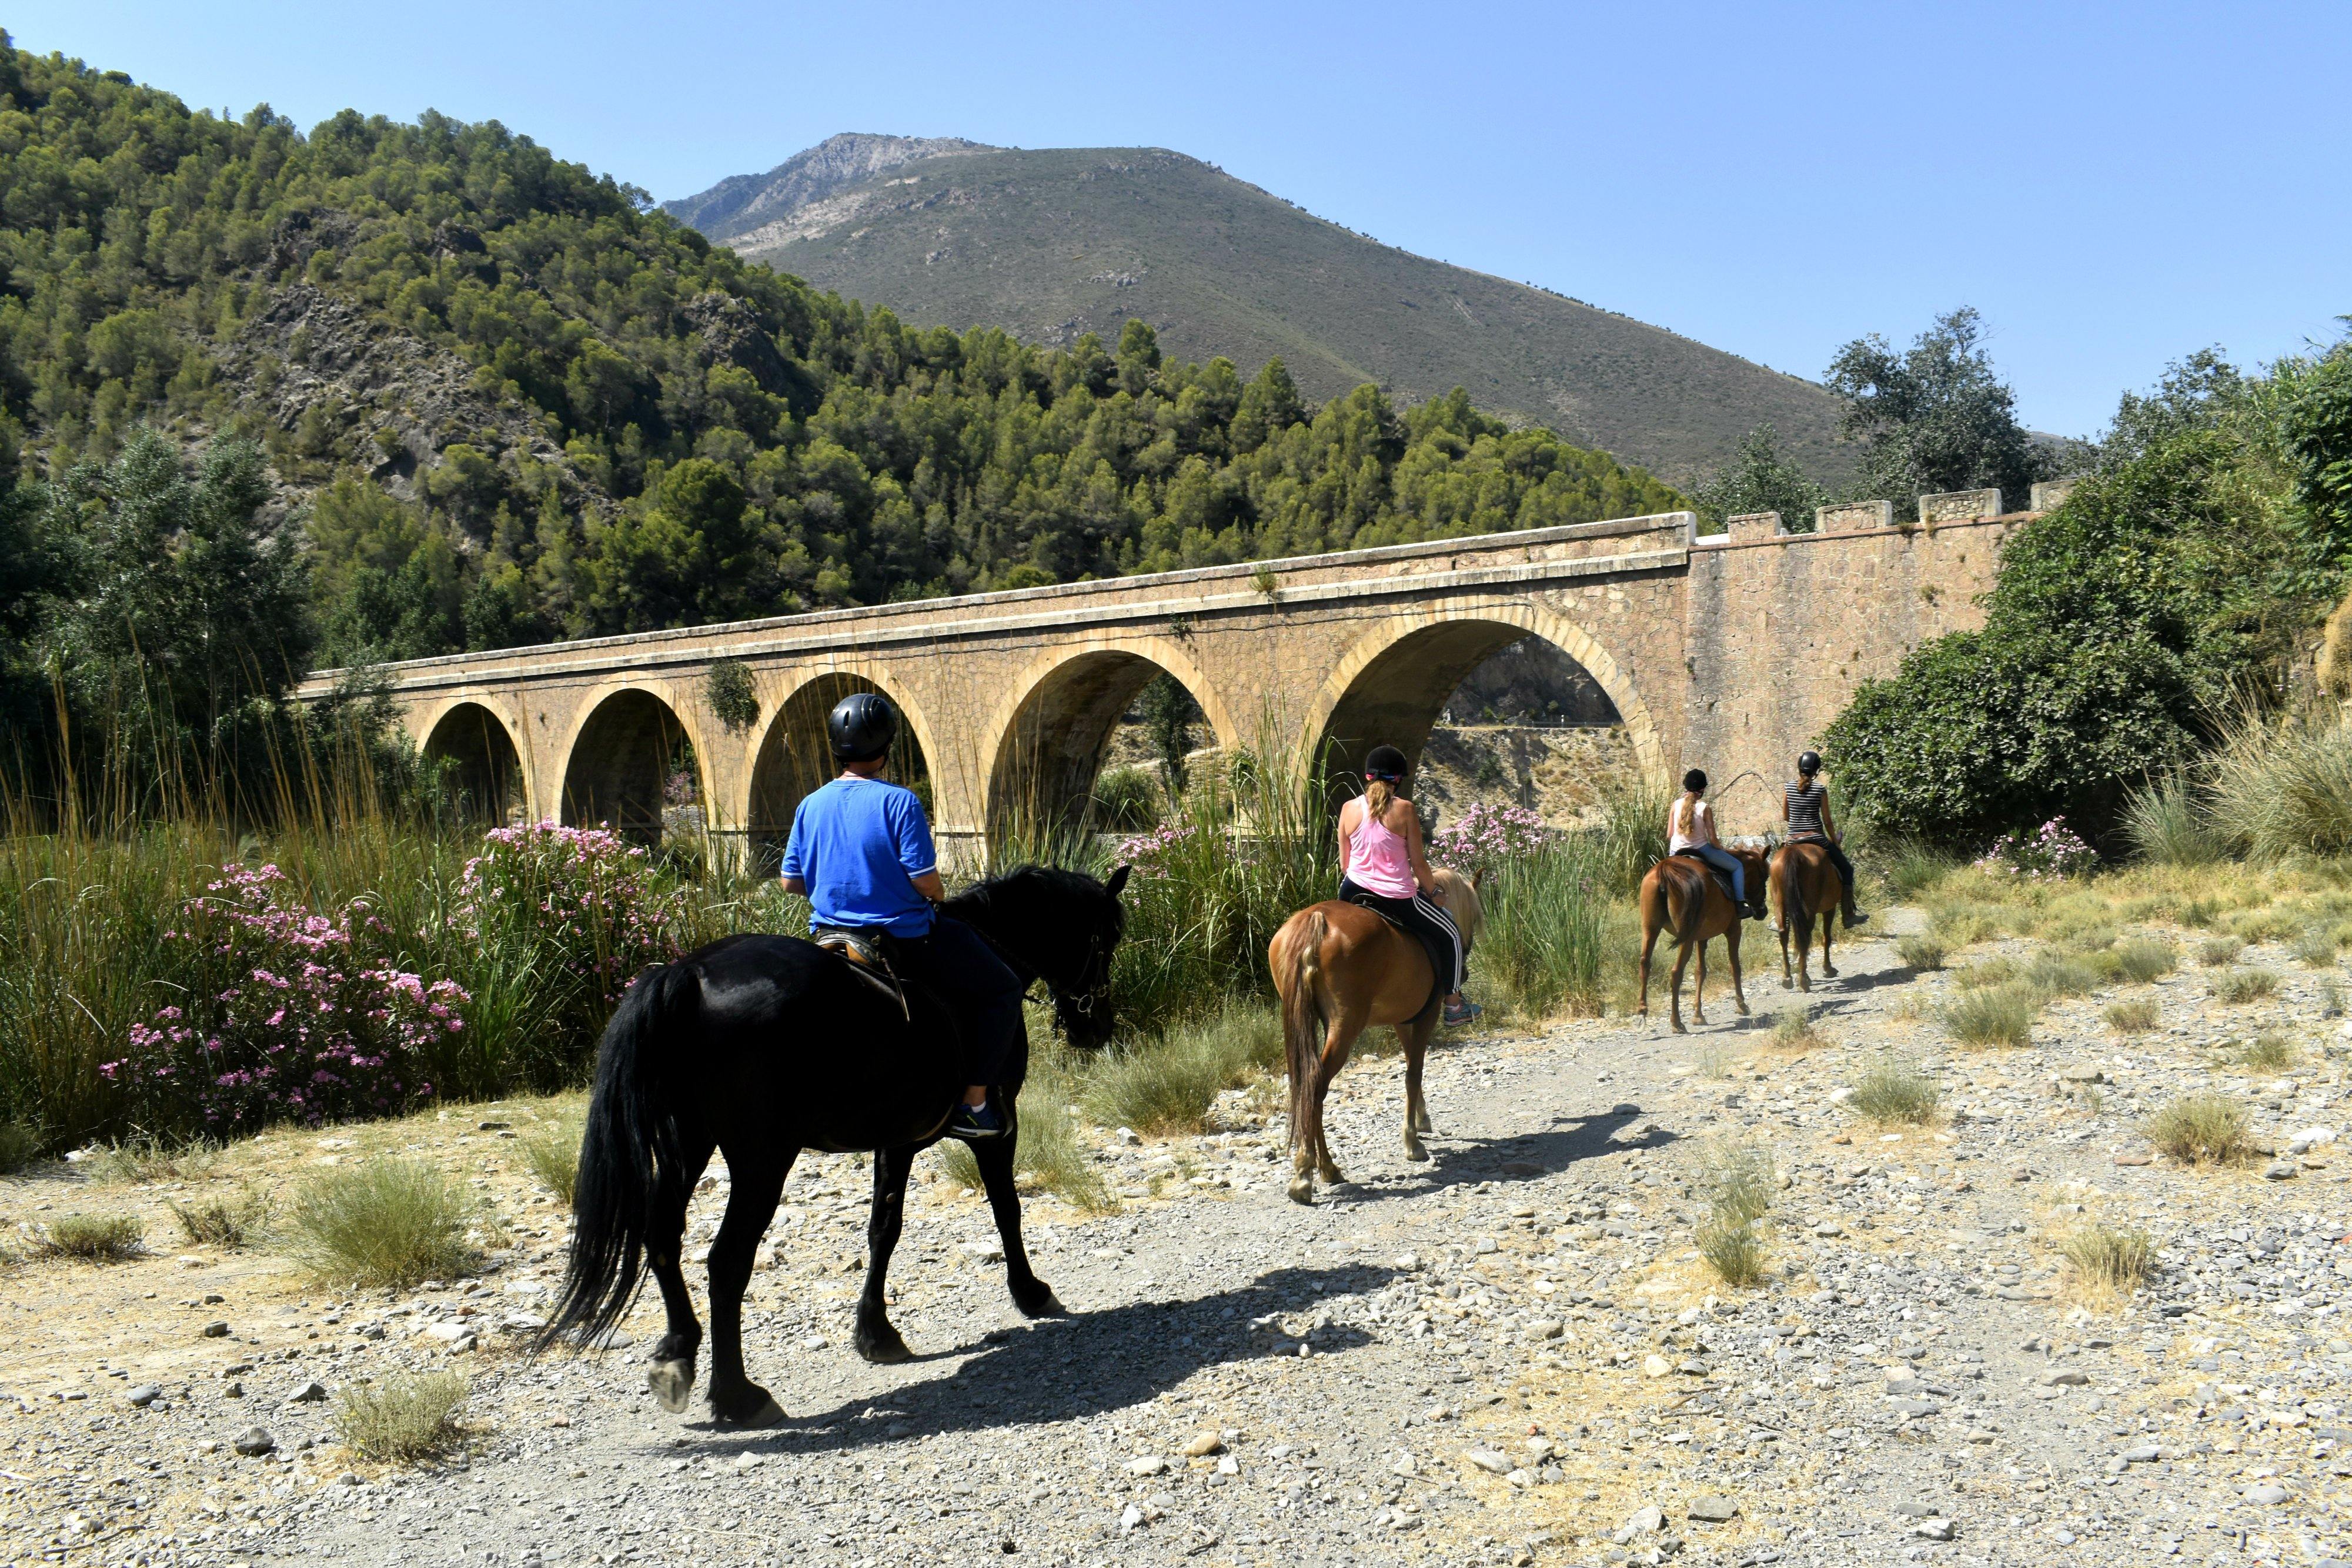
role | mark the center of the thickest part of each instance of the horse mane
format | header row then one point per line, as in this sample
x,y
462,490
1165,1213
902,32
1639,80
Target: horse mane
x,y
1017,908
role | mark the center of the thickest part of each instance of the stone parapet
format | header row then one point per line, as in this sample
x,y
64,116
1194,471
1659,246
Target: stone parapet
x,y
1959,506
1853,516
2048,494
1750,526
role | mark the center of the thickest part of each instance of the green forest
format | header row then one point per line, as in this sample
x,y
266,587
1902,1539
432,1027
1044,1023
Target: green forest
x,y
390,390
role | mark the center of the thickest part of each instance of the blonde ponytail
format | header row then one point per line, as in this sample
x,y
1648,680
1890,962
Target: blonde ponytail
x,y
1378,794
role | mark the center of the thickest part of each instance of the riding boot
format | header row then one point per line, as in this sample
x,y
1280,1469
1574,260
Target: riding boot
x,y
1854,916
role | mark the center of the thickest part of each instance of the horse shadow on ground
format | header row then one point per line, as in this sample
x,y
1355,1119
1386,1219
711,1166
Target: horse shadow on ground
x,y
1528,1156
1063,1368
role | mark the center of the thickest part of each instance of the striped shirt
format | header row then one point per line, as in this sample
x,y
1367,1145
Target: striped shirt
x,y
1805,802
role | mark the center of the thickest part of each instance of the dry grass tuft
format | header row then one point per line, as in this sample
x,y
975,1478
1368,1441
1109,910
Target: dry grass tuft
x,y
141,1160
408,1417
2143,959
2201,1129
2316,948
1922,952
552,1154
1995,1014
1894,1090
2109,1258
2268,1053
215,1222
2216,951
95,1238
386,1222
1794,1027
2133,1017
2241,985
1166,1086
1740,1184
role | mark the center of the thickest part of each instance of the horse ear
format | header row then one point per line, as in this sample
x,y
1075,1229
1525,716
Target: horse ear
x,y
1117,880
1478,880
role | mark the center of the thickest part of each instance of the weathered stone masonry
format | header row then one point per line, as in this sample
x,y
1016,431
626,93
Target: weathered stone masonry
x,y
1732,652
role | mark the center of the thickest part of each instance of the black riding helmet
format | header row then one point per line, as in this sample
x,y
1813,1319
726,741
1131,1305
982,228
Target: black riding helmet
x,y
1695,781
1808,764
1384,762
861,727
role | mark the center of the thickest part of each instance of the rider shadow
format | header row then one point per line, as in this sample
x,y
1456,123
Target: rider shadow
x,y
1528,1156
1070,1368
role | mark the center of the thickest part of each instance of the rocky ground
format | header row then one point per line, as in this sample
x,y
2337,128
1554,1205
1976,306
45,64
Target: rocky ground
x,y
1512,1355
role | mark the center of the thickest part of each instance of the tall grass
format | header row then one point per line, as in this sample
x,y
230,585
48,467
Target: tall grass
x,y
386,1222
1167,1085
1548,926
2166,822
2286,786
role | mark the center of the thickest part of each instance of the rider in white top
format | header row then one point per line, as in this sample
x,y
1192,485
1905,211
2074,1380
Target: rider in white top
x,y
1690,830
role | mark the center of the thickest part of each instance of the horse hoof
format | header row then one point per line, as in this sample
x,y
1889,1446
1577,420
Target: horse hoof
x,y
671,1383
762,1412
1302,1191
1679,1028
885,1350
1828,973
1332,1176
1415,1153
1040,1303
1424,1124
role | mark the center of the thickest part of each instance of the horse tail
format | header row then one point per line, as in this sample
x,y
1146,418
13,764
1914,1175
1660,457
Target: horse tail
x,y
632,1156
1794,911
1302,1017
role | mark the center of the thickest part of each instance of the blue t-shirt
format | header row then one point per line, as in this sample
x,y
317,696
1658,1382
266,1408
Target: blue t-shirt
x,y
856,846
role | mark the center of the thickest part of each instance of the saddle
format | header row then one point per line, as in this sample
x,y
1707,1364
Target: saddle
x,y
867,961
1440,951
1721,880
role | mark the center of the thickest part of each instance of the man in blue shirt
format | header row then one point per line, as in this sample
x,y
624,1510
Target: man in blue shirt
x,y
861,851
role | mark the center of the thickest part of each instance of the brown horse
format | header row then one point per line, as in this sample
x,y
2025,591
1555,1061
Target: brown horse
x,y
1681,896
1805,886
1339,970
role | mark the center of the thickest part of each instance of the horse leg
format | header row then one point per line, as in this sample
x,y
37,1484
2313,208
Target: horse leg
x,y
1308,1157
1325,1166
1649,941
750,1204
1698,991
1675,986
875,1340
671,1379
1417,1108
1805,952
1787,979
994,1156
1739,988
1828,968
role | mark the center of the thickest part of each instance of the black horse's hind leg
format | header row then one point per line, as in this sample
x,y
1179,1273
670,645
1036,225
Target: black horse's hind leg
x,y
994,1156
672,1377
876,1340
750,1204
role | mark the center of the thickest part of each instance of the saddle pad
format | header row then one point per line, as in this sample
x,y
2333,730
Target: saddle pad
x,y
867,962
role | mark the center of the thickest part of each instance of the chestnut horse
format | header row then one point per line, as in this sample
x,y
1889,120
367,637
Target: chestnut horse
x,y
1681,896
1805,886
1339,970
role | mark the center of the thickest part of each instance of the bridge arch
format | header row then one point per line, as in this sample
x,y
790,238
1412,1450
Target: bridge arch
x,y
485,773
1043,745
626,742
1393,683
794,757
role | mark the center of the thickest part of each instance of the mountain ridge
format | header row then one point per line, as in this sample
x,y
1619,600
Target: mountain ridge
x,y
1053,244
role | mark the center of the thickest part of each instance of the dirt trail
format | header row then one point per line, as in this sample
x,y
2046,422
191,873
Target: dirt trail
x,y
1510,1354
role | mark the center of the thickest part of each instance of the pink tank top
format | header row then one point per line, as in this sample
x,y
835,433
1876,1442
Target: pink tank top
x,y
1377,861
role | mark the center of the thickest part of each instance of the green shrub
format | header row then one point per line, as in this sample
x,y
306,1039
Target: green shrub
x,y
2203,1128
1915,867
2054,975
2109,1257
1921,952
2143,959
1894,1090
95,1237
1994,1014
407,1417
1127,800
552,1154
18,1146
385,1222
1985,975
1633,835
2239,987
2216,951
2132,1017
1794,1029
2165,823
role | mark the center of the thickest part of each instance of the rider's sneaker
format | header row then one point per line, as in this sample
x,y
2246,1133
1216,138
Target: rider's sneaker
x,y
1854,917
972,1123
1463,1014
1755,910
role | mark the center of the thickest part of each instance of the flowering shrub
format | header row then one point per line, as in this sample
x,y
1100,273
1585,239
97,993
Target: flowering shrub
x,y
1483,836
2055,850
287,1018
1149,853
582,898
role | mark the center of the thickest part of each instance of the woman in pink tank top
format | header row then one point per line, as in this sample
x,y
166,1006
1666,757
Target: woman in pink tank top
x,y
1383,867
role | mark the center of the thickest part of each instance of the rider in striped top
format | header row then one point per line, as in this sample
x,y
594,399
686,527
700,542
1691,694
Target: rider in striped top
x,y
1805,807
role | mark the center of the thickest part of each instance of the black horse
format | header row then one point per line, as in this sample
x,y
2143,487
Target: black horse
x,y
764,1046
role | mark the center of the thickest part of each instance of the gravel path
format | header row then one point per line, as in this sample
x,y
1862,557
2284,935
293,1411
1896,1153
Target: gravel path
x,y
1508,1355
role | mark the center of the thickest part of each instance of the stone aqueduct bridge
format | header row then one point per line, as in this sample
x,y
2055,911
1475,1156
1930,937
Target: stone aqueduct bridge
x,y
1730,652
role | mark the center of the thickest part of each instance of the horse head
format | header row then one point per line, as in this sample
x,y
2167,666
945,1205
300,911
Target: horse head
x,y
1060,926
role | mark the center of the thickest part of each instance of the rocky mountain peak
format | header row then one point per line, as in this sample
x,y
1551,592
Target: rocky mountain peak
x,y
745,202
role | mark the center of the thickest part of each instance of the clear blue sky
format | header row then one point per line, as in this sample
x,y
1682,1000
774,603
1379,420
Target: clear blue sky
x,y
2113,186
